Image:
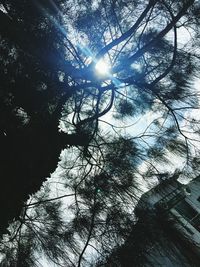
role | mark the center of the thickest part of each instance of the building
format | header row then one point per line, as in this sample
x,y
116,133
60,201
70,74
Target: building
x,y
179,206
167,233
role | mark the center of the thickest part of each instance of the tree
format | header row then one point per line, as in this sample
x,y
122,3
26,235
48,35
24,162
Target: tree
x,y
65,65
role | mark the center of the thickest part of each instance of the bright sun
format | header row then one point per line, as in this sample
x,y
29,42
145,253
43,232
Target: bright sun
x,y
102,67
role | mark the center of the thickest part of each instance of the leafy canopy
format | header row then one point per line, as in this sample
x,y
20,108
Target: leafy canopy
x,y
112,83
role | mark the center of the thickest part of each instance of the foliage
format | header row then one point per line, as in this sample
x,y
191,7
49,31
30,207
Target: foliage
x,y
118,130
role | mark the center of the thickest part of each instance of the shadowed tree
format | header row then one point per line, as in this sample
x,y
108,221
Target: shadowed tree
x,y
65,65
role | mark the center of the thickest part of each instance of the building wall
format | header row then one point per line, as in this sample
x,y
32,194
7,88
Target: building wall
x,y
177,207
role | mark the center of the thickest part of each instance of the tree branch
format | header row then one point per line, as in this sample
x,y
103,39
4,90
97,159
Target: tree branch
x,y
47,200
128,61
127,34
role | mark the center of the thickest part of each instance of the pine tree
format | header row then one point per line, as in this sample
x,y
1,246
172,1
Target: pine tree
x,y
65,65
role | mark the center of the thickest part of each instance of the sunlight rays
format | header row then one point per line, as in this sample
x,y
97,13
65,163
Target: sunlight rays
x,y
102,68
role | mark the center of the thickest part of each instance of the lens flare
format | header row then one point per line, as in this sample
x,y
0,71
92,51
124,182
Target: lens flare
x,y
102,67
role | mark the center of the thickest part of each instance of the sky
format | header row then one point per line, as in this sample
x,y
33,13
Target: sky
x,y
138,124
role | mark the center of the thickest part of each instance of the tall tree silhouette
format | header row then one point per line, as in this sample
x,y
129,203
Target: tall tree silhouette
x,y
67,64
